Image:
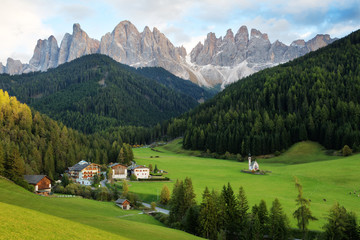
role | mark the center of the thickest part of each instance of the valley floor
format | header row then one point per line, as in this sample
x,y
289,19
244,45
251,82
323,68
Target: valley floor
x,y
325,179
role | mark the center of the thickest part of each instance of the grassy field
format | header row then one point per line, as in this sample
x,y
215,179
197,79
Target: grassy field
x,y
25,215
322,176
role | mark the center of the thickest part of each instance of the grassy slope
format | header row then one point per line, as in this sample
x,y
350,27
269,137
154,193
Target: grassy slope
x,y
330,180
90,215
22,223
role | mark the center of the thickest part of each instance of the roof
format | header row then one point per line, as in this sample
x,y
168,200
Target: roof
x,y
137,166
80,165
121,201
34,179
115,164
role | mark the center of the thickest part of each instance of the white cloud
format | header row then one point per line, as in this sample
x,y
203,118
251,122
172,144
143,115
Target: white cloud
x,y
21,26
184,22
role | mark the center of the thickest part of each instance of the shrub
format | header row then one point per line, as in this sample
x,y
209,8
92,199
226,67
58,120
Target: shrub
x,y
346,151
153,206
277,153
133,177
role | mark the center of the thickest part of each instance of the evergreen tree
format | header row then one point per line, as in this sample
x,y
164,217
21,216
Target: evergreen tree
x,y
263,216
14,164
110,175
303,213
156,169
230,213
121,156
255,230
279,224
341,224
243,208
165,195
191,220
65,180
209,218
125,188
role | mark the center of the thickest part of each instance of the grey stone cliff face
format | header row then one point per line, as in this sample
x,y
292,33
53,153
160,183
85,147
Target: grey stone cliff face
x,y
216,61
13,66
46,55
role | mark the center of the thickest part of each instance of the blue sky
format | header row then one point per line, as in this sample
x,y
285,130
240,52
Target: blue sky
x,y
184,22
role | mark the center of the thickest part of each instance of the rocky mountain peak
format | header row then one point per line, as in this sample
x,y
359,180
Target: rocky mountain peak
x,y
13,66
257,34
229,35
242,35
298,43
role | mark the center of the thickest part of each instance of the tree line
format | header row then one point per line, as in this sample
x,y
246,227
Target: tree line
x,y
227,215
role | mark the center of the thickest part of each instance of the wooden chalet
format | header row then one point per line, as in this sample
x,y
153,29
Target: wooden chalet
x,y
83,172
123,203
119,171
41,183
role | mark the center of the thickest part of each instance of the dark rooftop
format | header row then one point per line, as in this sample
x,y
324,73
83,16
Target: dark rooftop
x,y
33,179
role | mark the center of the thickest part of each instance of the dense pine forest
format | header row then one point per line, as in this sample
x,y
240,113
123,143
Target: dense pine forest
x,y
315,97
32,143
94,93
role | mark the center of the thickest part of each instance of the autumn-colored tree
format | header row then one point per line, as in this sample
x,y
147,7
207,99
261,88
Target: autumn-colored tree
x,y
165,195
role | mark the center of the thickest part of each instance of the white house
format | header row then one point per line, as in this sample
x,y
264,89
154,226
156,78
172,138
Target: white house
x,y
140,171
83,172
118,171
253,165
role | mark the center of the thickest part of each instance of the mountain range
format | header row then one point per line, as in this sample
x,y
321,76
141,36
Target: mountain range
x,y
94,92
217,61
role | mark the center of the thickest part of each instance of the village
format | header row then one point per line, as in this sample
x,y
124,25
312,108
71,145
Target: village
x,y
89,174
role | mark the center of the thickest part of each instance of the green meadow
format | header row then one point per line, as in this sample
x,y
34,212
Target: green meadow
x,y
325,179
25,215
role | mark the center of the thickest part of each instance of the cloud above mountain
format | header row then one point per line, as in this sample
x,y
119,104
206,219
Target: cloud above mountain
x,y
184,22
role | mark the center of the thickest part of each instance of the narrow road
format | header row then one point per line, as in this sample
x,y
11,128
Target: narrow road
x,y
103,182
165,211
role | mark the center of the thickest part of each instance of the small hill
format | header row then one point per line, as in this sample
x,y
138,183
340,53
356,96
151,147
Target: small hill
x,y
94,93
315,97
82,218
302,152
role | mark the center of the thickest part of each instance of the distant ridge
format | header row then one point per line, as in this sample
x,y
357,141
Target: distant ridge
x,y
216,61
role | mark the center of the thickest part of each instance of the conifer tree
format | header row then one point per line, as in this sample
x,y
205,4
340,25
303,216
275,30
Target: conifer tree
x,y
165,195
121,156
243,208
303,213
341,224
230,213
125,188
209,215
279,225
263,215
176,202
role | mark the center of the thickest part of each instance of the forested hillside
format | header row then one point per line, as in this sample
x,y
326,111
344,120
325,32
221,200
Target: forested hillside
x,y
315,97
171,81
94,92
32,143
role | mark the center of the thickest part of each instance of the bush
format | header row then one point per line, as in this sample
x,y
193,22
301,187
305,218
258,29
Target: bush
x,y
133,177
277,153
346,151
